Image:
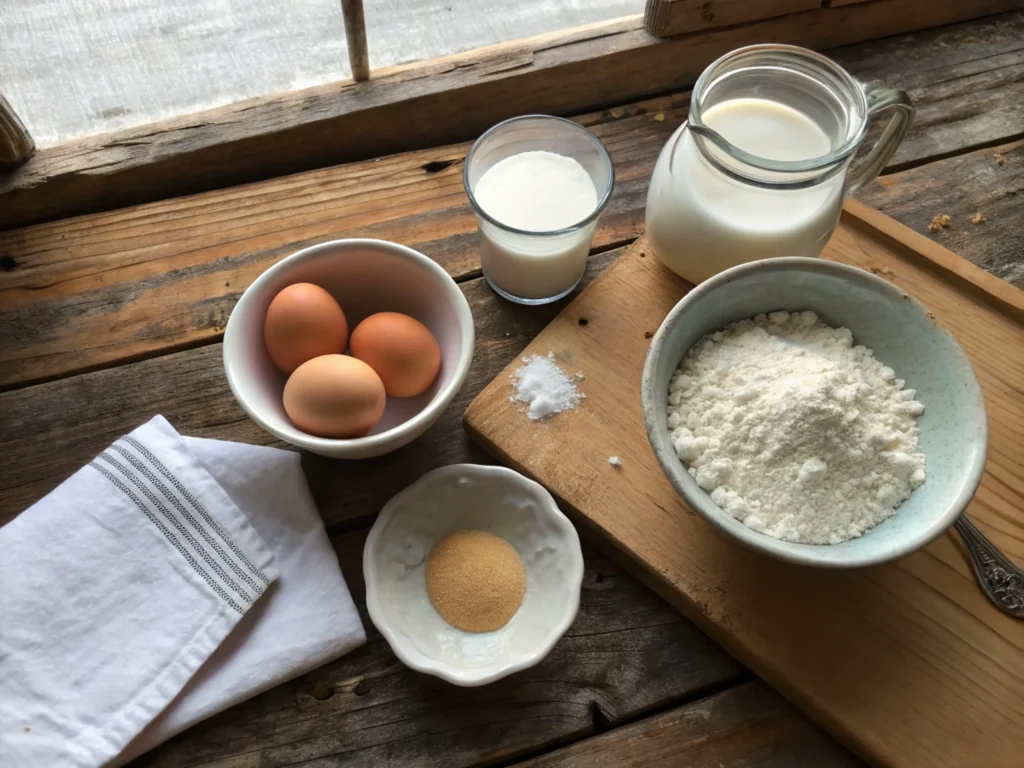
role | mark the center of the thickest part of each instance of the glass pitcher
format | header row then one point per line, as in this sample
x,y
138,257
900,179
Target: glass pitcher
x,y
761,167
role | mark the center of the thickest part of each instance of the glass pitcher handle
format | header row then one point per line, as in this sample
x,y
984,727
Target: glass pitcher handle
x,y
882,99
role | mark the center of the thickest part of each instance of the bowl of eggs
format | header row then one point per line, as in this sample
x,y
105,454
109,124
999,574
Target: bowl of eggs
x,y
349,349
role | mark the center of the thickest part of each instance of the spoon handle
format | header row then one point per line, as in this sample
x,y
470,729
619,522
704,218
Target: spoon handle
x,y
1001,580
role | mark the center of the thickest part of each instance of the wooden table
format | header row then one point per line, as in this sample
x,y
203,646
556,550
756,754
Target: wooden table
x,y
110,318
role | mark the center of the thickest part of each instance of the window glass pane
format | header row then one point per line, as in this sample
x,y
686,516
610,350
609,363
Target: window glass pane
x,y
74,67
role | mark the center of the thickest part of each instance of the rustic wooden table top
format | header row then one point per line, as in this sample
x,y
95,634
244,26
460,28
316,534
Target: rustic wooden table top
x,y
111,318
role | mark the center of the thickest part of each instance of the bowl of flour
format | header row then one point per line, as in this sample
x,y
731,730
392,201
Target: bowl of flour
x,y
814,412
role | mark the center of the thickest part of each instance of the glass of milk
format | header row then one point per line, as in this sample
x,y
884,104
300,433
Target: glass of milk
x,y
538,185
761,167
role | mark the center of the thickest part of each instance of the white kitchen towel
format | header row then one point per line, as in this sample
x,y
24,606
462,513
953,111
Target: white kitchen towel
x,y
164,582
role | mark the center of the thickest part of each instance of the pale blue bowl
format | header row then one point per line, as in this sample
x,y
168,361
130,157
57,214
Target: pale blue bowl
x,y
954,427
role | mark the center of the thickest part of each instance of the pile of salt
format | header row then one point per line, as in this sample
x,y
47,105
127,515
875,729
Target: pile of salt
x,y
544,386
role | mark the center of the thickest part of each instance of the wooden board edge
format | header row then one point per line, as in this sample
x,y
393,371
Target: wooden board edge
x,y
1005,297
420,105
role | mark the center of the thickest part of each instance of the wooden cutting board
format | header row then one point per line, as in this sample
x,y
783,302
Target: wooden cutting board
x,y
907,663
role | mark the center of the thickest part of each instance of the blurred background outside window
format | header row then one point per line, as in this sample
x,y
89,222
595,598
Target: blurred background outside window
x,y
71,68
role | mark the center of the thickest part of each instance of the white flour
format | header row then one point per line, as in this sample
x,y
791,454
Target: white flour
x,y
795,431
544,386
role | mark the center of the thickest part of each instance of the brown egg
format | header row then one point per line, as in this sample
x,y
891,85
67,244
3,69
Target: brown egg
x,y
334,396
303,321
402,351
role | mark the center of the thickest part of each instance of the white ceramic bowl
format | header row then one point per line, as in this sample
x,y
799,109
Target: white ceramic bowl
x,y
882,317
365,276
459,497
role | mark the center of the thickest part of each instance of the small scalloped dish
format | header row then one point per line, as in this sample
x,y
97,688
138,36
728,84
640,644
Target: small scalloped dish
x,y
471,497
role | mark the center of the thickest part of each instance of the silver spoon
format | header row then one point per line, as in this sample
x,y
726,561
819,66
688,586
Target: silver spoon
x,y
1000,579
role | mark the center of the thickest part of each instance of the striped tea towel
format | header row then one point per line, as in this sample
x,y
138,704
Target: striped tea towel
x,y
155,587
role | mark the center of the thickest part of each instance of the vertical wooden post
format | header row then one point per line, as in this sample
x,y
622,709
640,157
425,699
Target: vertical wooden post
x,y
16,146
355,33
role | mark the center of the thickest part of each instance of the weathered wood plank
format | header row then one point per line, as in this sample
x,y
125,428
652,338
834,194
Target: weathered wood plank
x,y
962,101
749,725
675,17
164,276
989,182
626,653
421,105
48,431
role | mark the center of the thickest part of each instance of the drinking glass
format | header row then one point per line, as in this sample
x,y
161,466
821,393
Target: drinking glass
x,y
525,266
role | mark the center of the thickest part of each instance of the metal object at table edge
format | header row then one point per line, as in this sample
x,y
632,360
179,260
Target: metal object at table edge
x,y
1000,579
16,145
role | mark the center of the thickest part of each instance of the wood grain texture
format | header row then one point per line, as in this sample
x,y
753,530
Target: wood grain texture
x,y
626,653
50,430
675,17
749,726
874,666
443,100
165,275
987,181
966,83
873,225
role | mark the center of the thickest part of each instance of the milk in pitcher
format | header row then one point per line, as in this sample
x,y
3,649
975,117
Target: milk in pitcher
x,y
701,222
761,168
